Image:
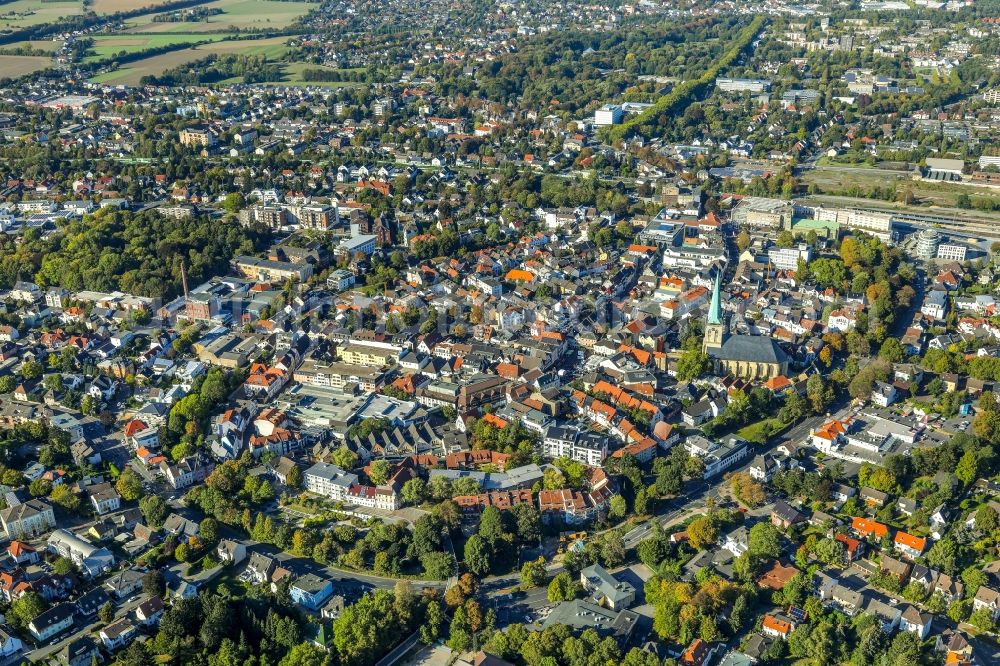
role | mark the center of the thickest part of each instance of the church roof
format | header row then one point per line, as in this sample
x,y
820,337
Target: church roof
x,y
755,348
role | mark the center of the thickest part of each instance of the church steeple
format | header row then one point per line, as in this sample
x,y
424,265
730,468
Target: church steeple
x,y
715,309
715,327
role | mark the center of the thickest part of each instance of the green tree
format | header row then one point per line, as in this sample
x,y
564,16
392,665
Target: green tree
x,y
154,509
533,573
563,587
208,531
153,583
344,458
764,540
294,478
414,491
107,613
692,364
129,485
987,519
379,471
434,619
136,654
62,495
477,555
40,487
304,654
26,608
617,508
32,370
702,533
63,566
438,566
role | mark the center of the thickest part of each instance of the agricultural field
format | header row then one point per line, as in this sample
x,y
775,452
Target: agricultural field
x,y
27,13
131,74
114,6
236,15
47,45
14,66
110,45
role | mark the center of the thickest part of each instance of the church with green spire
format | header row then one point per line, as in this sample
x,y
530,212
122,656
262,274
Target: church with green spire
x,y
751,357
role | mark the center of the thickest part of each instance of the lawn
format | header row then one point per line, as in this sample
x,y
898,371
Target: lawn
x,y
14,66
761,431
236,14
106,46
26,13
292,76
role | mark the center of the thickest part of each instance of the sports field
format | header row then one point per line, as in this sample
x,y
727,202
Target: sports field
x,y
26,13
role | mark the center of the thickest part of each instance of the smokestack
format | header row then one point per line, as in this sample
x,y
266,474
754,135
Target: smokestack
x,y
184,280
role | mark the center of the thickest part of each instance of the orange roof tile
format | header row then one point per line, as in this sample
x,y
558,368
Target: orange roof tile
x,y
910,541
865,527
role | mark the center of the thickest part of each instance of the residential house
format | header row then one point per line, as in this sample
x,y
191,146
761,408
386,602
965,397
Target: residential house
x,y
104,498
22,553
231,552
311,591
49,623
79,652
888,615
10,645
865,528
605,590
898,569
873,497
179,525
987,599
149,612
124,584
952,589
737,541
848,601
28,519
784,515
909,545
259,568
777,626
916,622
854,549
118,634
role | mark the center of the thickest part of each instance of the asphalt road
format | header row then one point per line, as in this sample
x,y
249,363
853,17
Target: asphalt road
x,y
696,495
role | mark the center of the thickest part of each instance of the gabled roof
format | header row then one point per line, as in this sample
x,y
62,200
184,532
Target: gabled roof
x,y
865,527
909,541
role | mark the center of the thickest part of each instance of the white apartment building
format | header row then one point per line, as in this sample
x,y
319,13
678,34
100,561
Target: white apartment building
x,y
787,258
609,114
329,480
585,447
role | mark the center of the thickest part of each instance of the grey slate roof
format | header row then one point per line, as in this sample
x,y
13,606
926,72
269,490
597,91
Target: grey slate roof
x,y
756,348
